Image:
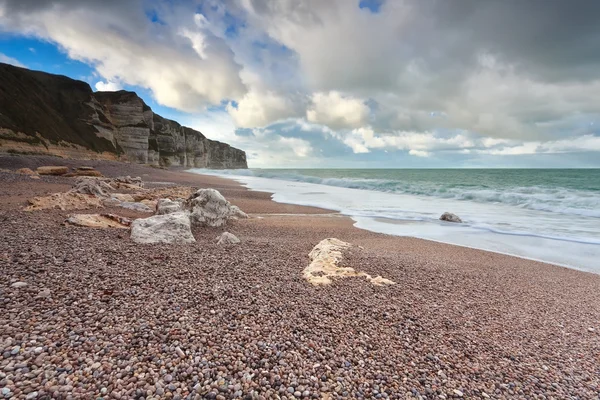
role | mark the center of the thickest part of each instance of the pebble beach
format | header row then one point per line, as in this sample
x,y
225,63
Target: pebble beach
x,y
87,313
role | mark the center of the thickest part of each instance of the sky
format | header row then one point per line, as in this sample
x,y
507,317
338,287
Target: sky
x,y
340,83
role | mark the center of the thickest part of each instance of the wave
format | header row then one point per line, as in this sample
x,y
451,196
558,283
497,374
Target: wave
x,y
539,198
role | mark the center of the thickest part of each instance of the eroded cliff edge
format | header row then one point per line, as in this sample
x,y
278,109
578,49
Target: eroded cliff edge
x,y
43,113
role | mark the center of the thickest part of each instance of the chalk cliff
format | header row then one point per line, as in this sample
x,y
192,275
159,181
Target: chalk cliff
x,y
52,114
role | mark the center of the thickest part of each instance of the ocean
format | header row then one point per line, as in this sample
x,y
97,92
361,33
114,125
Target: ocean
x,y
551,215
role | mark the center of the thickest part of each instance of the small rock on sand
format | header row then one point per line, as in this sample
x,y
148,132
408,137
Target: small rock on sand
x,y
26,171
18,285
52,170
227,238
99,221
449,217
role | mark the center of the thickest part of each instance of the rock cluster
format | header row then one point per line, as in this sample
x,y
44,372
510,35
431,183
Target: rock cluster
x,y
175,218
92,192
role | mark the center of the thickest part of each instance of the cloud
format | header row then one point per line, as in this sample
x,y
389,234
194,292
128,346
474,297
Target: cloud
x,y
419,153
108,86
124,45
316,79
9,60
300,147
260,109
337,111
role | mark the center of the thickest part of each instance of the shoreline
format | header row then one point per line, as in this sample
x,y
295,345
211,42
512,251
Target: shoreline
x,y
103,316
360,225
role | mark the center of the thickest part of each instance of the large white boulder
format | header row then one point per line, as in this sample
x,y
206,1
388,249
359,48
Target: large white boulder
x,y
167,228
168,206
208,207
449,217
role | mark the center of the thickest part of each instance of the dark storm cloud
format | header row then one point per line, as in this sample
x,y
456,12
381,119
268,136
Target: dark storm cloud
x,y
553,38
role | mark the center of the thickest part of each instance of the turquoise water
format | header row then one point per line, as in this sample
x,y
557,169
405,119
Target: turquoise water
x,y
569,191
551,215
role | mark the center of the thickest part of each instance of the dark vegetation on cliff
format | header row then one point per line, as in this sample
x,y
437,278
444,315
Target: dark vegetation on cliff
x,y
46,112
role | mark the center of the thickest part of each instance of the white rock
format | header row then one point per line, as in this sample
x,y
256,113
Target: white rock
x,y
18,285
168,228
44,293
93,187
123,197
325,258
227,238
209,208
135,206
168,206
450,217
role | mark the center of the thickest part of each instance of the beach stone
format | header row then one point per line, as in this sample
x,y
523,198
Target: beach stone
x,y
123,197
93,187
168,228
168,206
99,221
52,170
208,207
88,171
227,238
449,217
43,293
325,258
26,171
18,285
135,206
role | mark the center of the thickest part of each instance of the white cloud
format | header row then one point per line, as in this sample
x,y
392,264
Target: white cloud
x,y
257,109
300,147
416,77
9,60
108,86
419,153
337,111
185,68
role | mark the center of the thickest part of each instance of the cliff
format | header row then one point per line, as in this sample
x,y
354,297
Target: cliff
x,y
51,114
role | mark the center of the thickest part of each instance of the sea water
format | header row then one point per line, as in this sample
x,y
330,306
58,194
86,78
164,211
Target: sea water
x,y
551,215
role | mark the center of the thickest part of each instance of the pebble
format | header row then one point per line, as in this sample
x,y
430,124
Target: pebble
x,y
18,285
130,321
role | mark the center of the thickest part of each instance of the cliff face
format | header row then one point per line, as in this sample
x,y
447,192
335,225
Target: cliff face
x,y
52,114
